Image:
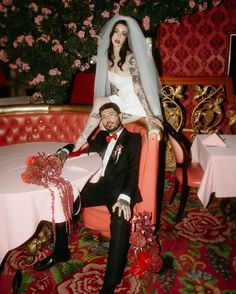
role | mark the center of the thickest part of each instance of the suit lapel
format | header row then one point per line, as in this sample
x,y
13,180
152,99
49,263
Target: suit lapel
x,y
120,144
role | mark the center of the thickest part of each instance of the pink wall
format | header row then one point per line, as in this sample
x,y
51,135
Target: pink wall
x,y
198,46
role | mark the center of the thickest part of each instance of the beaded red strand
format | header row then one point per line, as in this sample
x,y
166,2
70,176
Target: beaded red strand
x,y
45,171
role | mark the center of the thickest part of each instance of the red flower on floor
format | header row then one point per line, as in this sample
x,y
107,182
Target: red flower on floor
x,y
145,249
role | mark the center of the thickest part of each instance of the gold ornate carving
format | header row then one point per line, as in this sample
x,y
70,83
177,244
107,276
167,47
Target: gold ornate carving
x,y
175,115
208,113
204,117
232,121
173,110
37,243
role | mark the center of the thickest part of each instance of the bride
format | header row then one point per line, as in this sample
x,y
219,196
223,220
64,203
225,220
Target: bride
x,y
126,75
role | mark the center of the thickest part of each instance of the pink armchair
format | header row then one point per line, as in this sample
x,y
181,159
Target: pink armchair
x,y
98,217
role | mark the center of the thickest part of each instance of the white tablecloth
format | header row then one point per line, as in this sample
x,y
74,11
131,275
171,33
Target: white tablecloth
x,y
219,165
23,206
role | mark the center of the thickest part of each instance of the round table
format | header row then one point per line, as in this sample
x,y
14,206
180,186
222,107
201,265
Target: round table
x,y
23,206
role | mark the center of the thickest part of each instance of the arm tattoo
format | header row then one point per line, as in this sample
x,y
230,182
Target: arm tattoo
x,y
96,115
114,90
126,115
138,85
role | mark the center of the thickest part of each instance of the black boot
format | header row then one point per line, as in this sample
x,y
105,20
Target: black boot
x,y
61,252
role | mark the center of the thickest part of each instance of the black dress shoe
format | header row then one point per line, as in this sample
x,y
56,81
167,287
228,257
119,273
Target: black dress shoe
x,y
51,260
107,288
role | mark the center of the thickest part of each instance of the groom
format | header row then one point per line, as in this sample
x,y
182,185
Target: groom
x,y
117,188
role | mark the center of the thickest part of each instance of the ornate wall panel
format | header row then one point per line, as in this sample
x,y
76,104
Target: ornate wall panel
x,y
198,46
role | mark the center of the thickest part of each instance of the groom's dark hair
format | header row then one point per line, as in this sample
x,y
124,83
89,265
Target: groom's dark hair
x,y
109,105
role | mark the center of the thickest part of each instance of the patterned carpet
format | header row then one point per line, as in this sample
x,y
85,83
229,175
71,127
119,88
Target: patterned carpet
x,y
199,256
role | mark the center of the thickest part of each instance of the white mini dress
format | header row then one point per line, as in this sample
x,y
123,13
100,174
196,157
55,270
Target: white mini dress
x,y
126,98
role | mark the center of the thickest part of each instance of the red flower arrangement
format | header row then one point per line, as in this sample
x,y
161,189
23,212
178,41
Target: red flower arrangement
x,y
145,249
45,171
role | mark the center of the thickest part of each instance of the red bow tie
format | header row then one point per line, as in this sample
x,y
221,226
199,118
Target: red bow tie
x,y
112,136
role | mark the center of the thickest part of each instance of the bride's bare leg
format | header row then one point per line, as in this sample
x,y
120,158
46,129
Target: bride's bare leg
x,y
92,123
154,125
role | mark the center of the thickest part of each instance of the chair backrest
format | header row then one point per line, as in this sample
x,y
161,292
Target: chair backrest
x,y
180,146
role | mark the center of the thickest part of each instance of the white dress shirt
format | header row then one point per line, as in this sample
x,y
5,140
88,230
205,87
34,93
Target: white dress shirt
x,y
106,157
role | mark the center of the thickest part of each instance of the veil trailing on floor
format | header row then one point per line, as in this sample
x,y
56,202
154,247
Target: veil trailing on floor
x,y
146,65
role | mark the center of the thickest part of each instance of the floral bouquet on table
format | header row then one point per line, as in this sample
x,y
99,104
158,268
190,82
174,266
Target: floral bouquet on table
x,y
144,252
45,170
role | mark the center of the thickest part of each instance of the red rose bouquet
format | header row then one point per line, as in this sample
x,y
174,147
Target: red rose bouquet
x,y
145,250
45,171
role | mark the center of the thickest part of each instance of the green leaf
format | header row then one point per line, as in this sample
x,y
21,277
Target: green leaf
x,y
221,249
194,252
27,278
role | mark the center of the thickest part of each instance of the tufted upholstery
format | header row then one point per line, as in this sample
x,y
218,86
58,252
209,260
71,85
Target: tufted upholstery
x,y
20,124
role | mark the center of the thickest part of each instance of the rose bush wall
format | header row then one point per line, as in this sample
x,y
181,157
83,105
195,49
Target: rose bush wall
x,y
47,41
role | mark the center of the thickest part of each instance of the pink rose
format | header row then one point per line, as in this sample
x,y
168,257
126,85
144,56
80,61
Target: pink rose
x,y
137,2
20,39
81,34
146,23
7,2
34,7
46,11
3,56
44,38
117,8
77,63
90,278
92,33
54,72
12,66
72,26
105,14
203,6
87,281
38,19
25,67
191,3
29,40
203,227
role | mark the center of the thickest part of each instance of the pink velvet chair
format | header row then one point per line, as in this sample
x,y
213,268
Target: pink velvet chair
x,y
98,218
187,174
64,123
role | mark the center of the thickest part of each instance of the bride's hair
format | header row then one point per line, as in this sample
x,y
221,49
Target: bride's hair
x,y
123,50
147,69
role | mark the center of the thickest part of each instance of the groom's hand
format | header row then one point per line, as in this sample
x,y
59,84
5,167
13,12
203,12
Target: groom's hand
x,y
62,155
123,207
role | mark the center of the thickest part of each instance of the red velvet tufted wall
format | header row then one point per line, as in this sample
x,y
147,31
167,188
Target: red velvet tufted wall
x,y
198,46
38,127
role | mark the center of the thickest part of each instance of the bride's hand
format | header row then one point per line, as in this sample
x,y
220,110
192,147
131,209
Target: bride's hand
x,y
155,122
155,126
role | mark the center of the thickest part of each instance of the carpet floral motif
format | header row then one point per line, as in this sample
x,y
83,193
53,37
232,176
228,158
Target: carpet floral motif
x,y
203,227
198,253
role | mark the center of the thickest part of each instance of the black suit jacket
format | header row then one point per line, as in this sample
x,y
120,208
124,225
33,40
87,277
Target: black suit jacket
x,y
122,171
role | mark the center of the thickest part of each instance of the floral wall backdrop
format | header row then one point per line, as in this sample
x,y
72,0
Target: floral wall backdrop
x,y
47,41
199,45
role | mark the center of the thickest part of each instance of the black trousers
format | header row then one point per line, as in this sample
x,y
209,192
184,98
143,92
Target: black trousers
x,y
95,195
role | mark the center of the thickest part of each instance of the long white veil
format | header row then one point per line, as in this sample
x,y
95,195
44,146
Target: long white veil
x,y
146,65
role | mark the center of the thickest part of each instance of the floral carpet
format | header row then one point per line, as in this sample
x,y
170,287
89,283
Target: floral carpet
x,y
198,253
